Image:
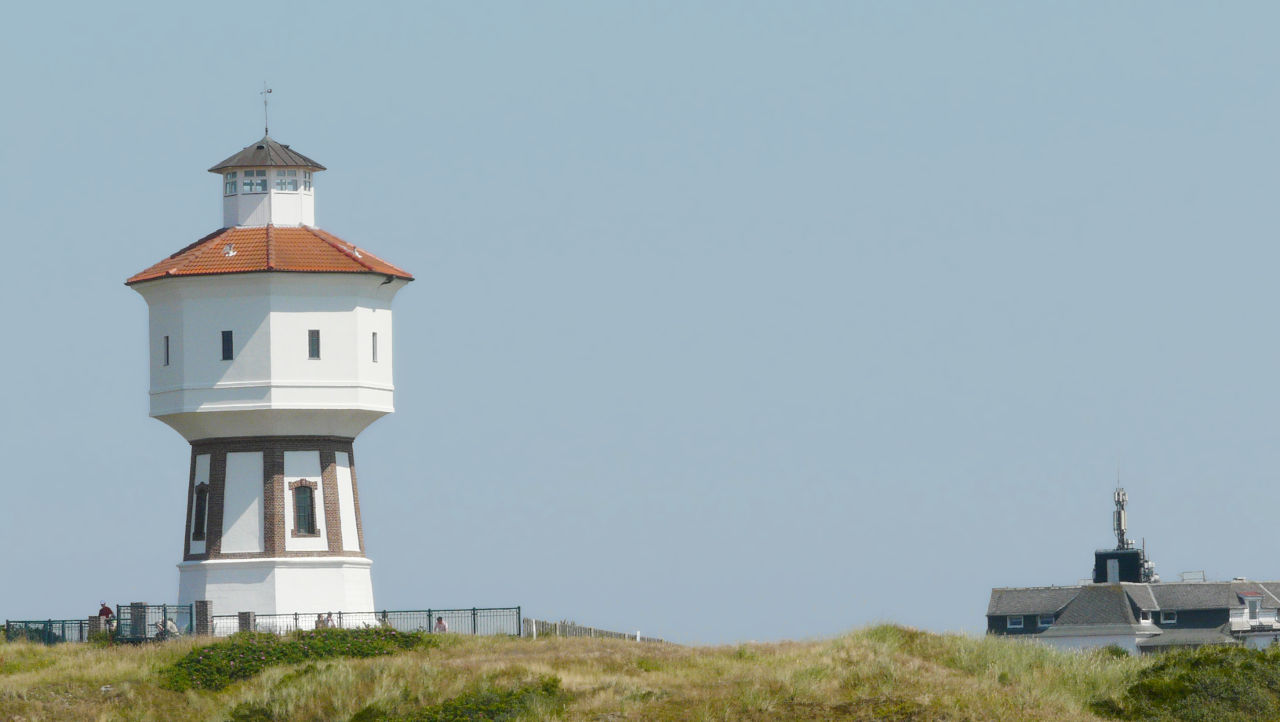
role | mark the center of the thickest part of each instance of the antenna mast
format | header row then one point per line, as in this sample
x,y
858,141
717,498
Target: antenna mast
x,y
266,125
1120,521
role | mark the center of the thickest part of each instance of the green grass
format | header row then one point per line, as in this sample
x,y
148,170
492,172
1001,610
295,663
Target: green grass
x,y
243,656
880,673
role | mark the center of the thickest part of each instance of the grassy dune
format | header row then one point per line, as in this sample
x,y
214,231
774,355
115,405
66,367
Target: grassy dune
x,y
882,673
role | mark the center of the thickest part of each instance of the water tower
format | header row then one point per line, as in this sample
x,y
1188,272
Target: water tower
x,y
270,351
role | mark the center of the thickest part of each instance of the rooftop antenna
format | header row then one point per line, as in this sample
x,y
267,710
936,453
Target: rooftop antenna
x,y
1120,521
266,125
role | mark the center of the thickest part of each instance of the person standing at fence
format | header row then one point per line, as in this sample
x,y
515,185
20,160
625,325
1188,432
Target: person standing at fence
x,y
320,622
328,621
440,627
105,614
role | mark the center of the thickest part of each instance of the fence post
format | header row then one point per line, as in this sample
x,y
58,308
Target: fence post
x,y
296,625
203,618
138,621
474,631
431,622
519,628
246,621
340,621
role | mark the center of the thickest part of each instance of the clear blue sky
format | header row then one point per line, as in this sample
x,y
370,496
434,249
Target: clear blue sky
x,y
732,321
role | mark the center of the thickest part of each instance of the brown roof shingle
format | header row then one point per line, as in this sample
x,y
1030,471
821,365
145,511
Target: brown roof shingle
x,y
268,248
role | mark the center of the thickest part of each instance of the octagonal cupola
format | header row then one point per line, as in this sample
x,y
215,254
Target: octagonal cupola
x,y
268,183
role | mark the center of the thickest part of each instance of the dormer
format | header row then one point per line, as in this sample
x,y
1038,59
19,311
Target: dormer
x,y
268,183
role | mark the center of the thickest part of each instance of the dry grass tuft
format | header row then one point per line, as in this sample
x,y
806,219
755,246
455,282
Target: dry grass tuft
x,y
883,673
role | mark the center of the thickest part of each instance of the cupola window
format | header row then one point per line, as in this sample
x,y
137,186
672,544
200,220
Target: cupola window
x,y
286,180
255,181
229,187
306,180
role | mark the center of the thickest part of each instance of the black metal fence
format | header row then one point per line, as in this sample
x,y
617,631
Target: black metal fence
x,y
153,622
46,631
474,621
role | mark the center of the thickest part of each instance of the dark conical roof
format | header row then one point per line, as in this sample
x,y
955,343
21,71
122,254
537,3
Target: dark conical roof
x,y
266,153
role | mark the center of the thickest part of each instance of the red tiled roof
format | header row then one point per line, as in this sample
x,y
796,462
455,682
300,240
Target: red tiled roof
x,y
268,248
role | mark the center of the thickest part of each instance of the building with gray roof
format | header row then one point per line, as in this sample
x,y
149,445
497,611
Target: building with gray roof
x,y
1128,606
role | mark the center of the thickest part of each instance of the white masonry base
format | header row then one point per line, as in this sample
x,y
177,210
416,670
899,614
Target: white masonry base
x,y
278,585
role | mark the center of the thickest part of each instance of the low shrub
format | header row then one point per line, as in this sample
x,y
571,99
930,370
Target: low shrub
x,y
244,655
482,703
1222,684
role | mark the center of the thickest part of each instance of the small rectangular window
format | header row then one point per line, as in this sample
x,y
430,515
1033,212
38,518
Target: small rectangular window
x,y
375,347
166,350
1015,622
1167,617
313,343
304,514
226,346
201,513
1254,606
1046,620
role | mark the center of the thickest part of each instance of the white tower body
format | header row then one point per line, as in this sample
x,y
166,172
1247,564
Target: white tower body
x,y
270,351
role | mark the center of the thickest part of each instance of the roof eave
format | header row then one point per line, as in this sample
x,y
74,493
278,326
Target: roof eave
x,y
135,281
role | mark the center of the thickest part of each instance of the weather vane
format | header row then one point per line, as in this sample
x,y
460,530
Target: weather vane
x,y
266,123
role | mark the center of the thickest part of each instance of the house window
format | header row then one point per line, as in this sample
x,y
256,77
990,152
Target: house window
x,y
1015,622
255,181
166,350
306,180
200,512
1254,603
313,343
1045,620
1146,616
226,346
375,347
304,510
229,186
1168,617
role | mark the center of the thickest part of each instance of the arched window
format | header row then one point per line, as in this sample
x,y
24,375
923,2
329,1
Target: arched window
x,y
201,513
304,510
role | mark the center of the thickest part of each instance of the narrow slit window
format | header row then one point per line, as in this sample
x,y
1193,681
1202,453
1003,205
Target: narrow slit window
x,y
304,510
166,350
375,347
200,514
313,343
226,346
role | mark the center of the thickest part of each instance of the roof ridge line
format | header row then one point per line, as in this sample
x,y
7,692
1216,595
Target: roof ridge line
x,y
336,242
